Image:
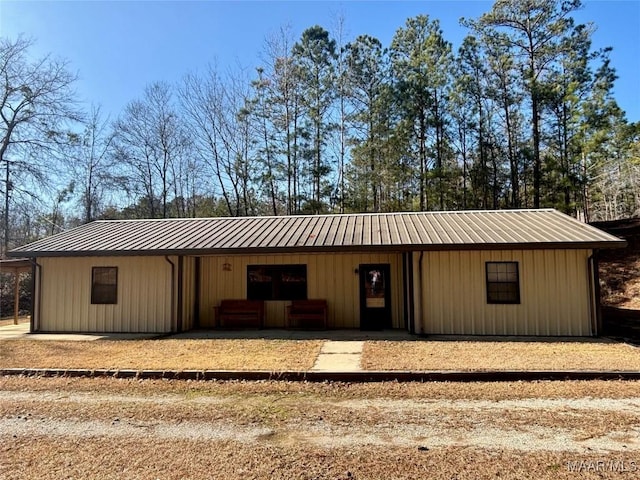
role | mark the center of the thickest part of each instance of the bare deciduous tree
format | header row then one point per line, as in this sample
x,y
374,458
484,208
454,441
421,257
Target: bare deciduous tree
x,y
36,103
151,142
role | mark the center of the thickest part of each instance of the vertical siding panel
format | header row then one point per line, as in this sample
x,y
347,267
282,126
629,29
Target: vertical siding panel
x,y
431,295
71,300
337,276
580,284
581,324
188,287
429,307
549,289
463,273
442,281
572,264
331,277
552,292
542,287
83,307
127,302
527,268
49,291
207,297
583,327
67,295
204,292
568,317
66,304
325,270
398,293
536,279
583,265
55,313
76,299
564,317
552,264
423,292
143,309
427,310
423,322
351,295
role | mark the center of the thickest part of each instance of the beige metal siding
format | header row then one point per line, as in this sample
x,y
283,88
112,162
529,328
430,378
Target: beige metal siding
x,y
144,295
329,276
554,293
188,292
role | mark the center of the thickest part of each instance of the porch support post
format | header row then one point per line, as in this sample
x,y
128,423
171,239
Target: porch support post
x,y
16,298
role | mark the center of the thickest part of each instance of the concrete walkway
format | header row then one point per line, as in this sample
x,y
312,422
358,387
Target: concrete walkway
x,y
339,356
21,331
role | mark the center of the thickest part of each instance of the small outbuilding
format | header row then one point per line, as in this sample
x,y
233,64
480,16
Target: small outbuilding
x,y
509,272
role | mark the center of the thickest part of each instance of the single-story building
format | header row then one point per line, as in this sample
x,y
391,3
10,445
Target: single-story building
x,y
510,272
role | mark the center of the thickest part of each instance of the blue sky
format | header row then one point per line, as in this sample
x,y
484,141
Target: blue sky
x,y
119,47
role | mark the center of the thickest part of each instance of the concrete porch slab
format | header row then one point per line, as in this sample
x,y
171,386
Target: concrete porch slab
x,y
21,331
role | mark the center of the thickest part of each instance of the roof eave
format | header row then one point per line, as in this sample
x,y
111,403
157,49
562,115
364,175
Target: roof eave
x,y
326,249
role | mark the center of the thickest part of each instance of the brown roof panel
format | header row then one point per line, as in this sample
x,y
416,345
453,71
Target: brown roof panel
x,y
349,232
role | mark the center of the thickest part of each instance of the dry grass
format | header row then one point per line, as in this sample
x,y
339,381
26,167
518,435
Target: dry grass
x,y
501,355
166,354
494,391
46,458
279,355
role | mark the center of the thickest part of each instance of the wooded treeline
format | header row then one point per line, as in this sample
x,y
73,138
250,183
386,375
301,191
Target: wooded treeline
x,y
521,115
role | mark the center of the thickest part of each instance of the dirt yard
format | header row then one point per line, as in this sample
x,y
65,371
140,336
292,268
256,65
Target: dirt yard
x,y
620,276
620,268
112,429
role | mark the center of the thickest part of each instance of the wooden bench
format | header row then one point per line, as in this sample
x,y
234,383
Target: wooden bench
x,y
240,314
307,314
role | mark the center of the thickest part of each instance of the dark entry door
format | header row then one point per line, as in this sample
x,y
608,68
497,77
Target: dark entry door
x,y
375,296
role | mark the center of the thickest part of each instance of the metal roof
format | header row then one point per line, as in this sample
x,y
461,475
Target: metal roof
x,y
464,230
15,264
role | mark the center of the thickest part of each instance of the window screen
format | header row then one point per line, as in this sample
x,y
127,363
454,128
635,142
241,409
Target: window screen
x,y
503,282
104,285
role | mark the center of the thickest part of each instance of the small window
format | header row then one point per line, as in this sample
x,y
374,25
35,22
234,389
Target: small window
x,y
276,282
503,282
104,285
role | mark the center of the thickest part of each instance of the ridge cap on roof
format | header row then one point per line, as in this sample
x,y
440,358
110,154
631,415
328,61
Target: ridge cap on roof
x,y
355,214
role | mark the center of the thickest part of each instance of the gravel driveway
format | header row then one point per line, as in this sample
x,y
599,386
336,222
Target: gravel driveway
x,y
295,430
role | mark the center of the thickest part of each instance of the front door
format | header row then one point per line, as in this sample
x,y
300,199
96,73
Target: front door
x,y
375,296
